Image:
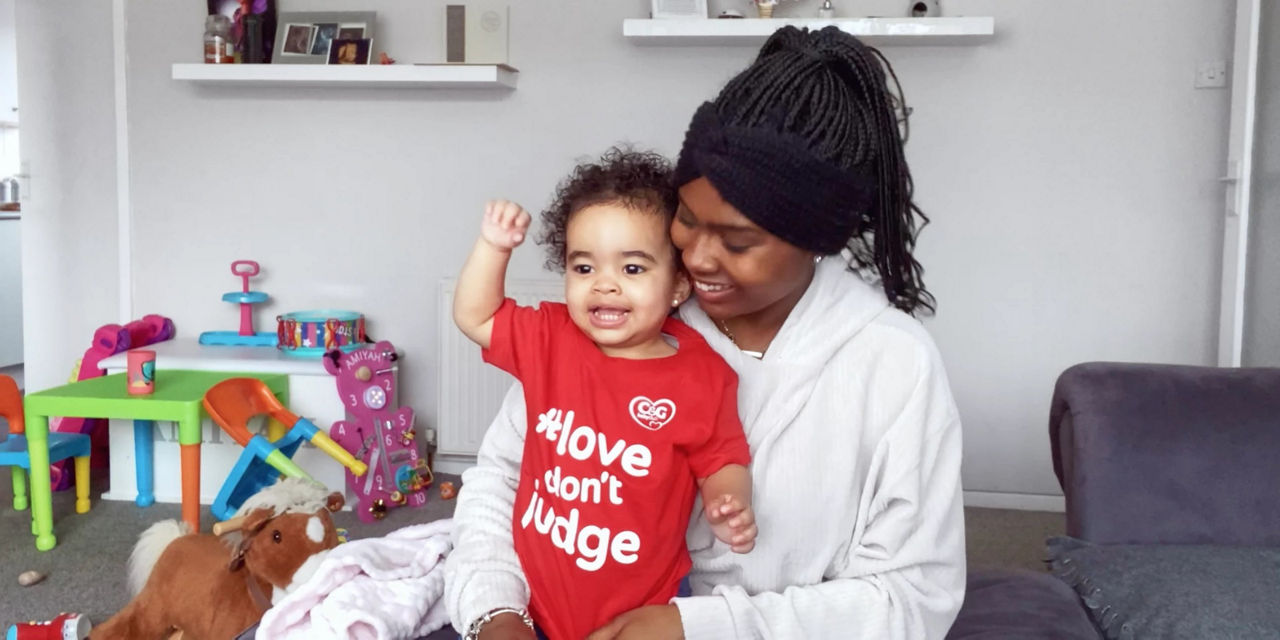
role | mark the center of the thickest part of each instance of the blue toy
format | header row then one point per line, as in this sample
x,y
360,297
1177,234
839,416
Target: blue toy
x,y
230,404
246,299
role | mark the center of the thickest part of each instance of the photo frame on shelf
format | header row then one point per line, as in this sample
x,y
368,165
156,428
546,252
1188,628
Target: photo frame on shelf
x,y
306,37
350,50
678,9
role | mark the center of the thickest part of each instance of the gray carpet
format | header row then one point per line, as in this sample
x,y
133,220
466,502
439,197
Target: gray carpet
x,y
86,571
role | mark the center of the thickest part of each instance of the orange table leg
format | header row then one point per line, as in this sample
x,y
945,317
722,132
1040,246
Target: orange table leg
x,y
189,433
191,485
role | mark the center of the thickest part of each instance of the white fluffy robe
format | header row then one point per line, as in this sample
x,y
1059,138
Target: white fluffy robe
x,y
377,588
856,451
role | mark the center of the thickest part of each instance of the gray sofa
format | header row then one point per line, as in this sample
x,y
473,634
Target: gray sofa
x,y
1172,483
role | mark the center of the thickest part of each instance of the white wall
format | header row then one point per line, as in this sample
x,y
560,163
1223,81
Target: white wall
x,y
1071,171
1068,165
69,256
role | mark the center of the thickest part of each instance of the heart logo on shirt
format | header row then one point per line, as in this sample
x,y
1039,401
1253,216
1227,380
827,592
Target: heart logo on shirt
x,y
652,414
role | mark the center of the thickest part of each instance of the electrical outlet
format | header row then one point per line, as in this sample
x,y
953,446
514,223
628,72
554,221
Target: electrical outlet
x,y
1211,75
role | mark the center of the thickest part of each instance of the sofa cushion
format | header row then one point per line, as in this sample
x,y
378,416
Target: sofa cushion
x,y
1173,591
1001,604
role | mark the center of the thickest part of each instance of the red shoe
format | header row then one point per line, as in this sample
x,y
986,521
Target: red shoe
x,y
67,626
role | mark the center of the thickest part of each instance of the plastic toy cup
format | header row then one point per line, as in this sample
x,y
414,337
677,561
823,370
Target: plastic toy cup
x,y
141,372
66,625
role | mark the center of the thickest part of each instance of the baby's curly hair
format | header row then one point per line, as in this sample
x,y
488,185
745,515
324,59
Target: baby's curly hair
x,y
638,180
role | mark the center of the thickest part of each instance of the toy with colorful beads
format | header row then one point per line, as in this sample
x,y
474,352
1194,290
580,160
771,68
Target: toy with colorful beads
x,y
380,436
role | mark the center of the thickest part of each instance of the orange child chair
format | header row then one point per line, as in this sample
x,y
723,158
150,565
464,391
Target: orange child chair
x,y
14,453
231,404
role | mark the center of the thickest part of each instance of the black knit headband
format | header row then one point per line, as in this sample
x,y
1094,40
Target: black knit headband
x,y
776,182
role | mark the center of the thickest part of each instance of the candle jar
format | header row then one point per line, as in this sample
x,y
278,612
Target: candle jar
x,y
217,40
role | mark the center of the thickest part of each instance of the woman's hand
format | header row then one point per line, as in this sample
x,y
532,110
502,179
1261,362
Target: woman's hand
x,y
506,626
654,622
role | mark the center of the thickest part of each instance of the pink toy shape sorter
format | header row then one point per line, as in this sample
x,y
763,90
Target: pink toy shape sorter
x,y
108,340
379,436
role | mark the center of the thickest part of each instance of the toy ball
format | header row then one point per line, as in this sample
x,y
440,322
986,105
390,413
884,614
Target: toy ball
x,y
447,491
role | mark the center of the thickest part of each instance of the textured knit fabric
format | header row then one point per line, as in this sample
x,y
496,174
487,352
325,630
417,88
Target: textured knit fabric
x,y
1173,591
611,452
856,454
773,179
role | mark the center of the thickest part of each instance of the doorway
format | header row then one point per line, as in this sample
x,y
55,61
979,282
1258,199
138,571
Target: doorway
x,y
1261,342
11,358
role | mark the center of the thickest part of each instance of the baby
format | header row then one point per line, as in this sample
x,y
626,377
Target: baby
x,y
628,408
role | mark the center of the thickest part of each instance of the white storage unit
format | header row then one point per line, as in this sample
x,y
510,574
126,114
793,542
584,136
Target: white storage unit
x,y
312,394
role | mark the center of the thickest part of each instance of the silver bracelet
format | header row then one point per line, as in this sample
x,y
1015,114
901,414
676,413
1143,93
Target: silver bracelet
x,y
473,631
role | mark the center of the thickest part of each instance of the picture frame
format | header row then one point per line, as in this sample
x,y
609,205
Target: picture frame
x,y
678,9
350,50
306,37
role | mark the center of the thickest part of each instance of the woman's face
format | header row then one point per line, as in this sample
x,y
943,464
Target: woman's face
x,y
737,268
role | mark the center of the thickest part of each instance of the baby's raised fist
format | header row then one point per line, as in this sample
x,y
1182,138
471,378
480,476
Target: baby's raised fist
x,y
505,224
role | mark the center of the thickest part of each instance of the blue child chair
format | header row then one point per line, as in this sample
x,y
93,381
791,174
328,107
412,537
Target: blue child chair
x,y
231,404
13,450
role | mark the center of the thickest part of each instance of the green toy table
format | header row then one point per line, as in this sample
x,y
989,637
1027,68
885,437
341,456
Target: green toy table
x,y
177,398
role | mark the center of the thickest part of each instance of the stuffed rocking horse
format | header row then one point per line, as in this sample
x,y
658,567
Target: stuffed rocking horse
x,y
213,586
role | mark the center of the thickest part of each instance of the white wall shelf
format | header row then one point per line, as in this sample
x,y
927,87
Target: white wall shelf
x,y
408,76
754,31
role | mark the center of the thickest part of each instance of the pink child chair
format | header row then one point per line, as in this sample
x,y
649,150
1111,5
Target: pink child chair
x,y
14,453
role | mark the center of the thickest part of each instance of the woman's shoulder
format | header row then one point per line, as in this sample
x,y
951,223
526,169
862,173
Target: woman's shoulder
x,y
893,343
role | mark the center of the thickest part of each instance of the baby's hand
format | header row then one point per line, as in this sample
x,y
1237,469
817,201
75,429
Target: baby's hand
x,y
733,522
505,224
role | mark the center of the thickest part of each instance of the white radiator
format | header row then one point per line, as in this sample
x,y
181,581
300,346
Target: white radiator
x,y
471,390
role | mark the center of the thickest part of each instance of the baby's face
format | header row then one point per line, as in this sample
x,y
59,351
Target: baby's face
x,y
621,278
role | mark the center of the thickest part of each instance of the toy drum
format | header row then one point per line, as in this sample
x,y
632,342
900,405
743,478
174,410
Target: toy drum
x,y
309,334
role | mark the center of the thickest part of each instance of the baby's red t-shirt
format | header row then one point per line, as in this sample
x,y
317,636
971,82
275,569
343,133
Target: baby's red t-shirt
x,y
611,452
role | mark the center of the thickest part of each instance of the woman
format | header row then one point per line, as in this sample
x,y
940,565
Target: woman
x,y
796,226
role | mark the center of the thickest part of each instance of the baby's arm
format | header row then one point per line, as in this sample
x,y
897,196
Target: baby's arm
x,y
726,500
481,287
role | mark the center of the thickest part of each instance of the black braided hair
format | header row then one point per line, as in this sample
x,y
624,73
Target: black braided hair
x,y
830,89
638,180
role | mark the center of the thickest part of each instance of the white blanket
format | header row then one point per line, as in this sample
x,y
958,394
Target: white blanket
x,y
387,588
